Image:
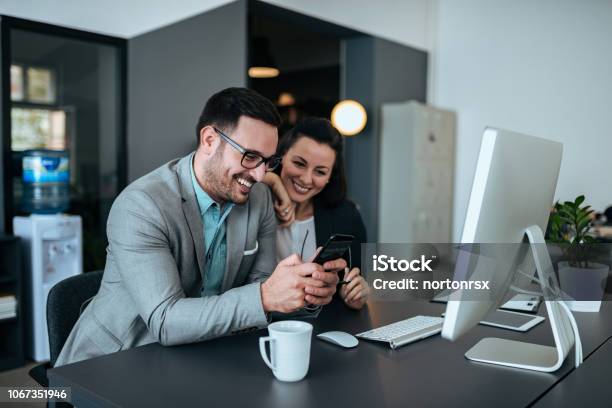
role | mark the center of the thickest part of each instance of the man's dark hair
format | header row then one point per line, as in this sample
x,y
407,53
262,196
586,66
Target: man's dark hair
x,y
224,109
323,132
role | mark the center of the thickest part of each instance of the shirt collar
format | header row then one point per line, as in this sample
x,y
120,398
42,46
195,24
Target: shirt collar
x,y
204,200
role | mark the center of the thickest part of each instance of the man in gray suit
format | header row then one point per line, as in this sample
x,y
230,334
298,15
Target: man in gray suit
x,y
192,244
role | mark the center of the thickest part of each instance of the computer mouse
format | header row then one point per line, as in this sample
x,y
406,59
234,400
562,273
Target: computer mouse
x,y
339,338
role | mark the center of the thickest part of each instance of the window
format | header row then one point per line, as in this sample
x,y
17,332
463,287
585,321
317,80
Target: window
x,y
36,86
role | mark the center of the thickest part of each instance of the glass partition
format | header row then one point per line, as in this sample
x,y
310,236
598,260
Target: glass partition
x,y
67,98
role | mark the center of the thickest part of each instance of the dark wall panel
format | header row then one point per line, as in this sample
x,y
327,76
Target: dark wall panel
x,y
5,147
361,151
376,71
171,73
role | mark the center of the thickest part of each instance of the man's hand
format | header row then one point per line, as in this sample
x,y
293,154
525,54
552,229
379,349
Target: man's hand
x,y
316,295
329,277
284,291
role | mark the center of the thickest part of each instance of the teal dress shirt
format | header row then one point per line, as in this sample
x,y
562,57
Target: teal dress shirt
x,y
213,219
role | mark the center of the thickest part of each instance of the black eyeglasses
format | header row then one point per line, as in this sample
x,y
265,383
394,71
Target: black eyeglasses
x,y
251,159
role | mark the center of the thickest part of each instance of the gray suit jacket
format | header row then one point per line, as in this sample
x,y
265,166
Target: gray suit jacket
x,y
150,291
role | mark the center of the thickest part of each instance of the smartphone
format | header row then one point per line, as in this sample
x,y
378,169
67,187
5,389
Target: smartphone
x,y
335,247
523,303
511,320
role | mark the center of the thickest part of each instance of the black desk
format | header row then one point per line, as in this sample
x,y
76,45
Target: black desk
x,y
587,386
229,371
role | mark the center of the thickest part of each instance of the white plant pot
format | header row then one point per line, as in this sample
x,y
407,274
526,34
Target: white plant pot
x,y
584,287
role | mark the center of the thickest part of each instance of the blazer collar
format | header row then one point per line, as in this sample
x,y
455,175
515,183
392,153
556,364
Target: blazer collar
x,y
191,210
236,225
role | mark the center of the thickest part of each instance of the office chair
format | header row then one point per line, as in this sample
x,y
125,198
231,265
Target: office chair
x,y
64,304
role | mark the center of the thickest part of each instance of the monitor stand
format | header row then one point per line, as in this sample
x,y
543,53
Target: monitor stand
x,y
529,356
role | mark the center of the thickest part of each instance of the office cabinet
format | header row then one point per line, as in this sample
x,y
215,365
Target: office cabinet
x,y
417,160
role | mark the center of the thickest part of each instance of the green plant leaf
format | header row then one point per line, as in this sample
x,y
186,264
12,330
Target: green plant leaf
x,y
584,216
579,200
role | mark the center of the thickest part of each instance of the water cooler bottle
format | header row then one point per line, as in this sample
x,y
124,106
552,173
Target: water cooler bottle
x,y
52,251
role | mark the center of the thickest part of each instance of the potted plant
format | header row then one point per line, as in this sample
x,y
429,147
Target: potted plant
x,y
580,278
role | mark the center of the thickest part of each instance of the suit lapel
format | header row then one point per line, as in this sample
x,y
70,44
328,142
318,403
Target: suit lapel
x,y
191,210
236,231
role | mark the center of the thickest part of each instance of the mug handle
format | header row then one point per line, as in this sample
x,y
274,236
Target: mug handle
x,y
262,350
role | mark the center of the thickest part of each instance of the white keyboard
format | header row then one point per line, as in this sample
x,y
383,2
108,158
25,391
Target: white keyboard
x,y
405,331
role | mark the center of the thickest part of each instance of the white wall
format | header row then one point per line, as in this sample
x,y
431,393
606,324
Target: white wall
x,y
537,67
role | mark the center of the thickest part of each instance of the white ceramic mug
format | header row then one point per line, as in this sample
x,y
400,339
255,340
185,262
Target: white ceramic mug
x,y
289,349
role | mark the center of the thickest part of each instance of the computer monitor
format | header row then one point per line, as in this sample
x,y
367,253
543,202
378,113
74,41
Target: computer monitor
x,y
512,194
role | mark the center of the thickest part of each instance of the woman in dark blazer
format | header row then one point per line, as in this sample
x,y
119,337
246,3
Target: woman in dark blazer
x,y
311,203
341,219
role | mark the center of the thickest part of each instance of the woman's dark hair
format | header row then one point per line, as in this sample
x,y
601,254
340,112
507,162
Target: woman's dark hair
x,y
225,108
321,131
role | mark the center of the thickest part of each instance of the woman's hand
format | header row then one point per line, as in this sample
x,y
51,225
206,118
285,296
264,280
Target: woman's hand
x,y
355,293
285,212
283,206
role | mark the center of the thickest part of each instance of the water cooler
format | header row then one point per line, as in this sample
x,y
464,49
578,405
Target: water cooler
x,y
52,250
